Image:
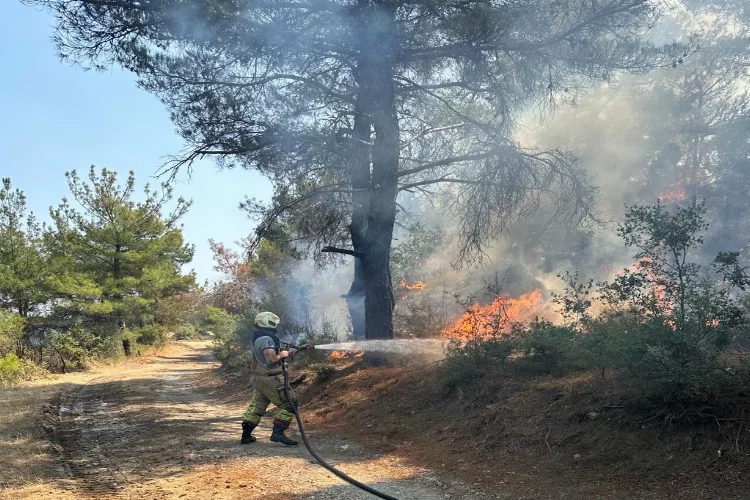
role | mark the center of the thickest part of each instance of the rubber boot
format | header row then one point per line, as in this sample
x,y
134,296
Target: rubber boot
x,y
247,433
278,434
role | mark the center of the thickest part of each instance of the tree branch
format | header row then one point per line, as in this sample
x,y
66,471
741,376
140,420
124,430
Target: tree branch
x,y
344,251
444,162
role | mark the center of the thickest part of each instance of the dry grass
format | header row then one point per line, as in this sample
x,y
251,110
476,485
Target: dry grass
x,y
165,449
26,454
540,437
24,450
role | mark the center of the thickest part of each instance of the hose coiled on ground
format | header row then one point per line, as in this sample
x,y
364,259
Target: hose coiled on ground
x,y
332,469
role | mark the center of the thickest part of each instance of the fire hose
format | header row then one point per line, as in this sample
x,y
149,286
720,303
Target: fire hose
x,y
332,469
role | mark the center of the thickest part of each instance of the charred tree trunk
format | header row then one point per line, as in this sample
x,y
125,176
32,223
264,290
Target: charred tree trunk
x,y
375,78
360,181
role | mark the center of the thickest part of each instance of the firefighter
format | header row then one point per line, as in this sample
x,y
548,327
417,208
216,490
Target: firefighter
x,y
268,382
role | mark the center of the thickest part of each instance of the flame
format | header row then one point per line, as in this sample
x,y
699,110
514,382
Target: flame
x,y
416,286
492,320
674,195
660,291
345,354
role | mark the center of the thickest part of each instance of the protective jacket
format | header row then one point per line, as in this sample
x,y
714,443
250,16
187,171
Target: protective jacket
x,y
265,338
268,382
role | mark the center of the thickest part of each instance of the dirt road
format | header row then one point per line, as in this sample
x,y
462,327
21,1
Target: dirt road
x,y
166,429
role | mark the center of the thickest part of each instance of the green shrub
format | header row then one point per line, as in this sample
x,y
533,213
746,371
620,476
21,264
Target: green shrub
x,y
11,331
469,362
72,348
153,335
10,367
186,332
668,365
549,348
219,322
606,346
13,370
108,347
230,334
232,358
679,373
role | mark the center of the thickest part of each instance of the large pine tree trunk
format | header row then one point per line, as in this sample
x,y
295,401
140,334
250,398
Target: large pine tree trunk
x,y
375,78
360,181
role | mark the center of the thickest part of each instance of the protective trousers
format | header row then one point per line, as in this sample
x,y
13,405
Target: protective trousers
x,y
269,389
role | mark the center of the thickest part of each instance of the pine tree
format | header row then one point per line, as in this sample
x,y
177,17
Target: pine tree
x,y
131,252
24,272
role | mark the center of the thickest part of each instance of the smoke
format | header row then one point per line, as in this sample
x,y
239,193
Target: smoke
x,y
633,136
314,298
620,133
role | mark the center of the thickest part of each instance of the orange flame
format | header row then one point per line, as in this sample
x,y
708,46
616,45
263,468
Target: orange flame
x,y
416,286
674,195
345,354
493,320
660,291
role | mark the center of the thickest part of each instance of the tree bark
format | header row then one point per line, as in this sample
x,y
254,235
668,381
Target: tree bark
x,y
360,180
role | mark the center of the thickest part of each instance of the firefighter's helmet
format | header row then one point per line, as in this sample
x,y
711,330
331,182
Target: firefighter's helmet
x,y
267,320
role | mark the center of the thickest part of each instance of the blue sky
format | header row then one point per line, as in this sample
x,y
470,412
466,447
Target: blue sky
x,y
57,118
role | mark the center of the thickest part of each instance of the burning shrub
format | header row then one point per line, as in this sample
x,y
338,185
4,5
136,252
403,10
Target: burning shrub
x,y
491,321
420,310
488,338
419,285
675,329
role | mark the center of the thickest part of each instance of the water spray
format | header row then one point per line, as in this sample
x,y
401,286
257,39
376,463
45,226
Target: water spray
x,y
393,346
